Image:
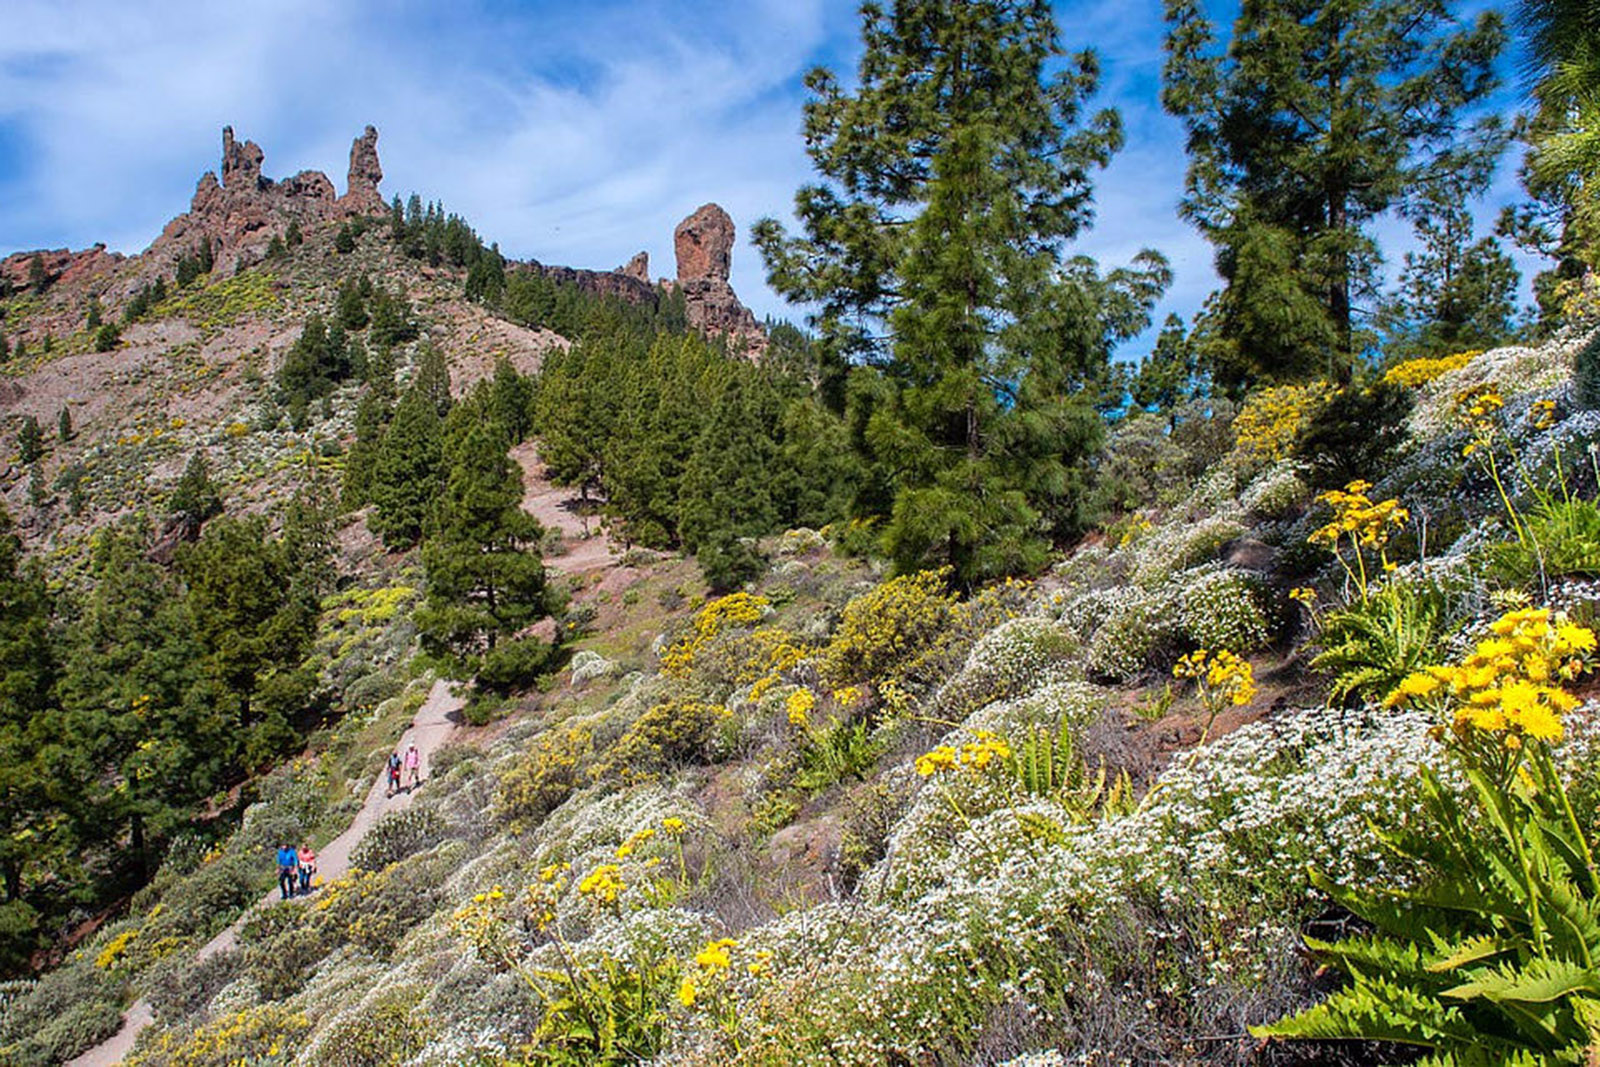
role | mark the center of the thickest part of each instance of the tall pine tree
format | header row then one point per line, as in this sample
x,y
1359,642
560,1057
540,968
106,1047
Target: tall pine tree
x,y
1312,120
955,175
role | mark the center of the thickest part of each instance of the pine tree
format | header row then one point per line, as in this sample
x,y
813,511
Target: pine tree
x,y
30,728
406,473
957,172
361,463
1166,377
731,484
38,277
432,379
195,499
1316,118
485,578
30,441
292,237
511,405
344,241
352,313
91,320
206,260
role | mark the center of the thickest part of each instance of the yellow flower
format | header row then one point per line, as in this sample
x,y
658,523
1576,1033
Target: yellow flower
x,y
672,824
604,884
799,706
686,992
1304,594
939,759
715,955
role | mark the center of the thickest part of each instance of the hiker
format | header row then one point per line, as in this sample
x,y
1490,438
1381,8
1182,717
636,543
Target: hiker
x,y
413,766
394,773
308,867
288,864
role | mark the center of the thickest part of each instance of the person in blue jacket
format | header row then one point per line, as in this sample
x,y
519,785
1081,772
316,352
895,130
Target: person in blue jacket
x,y
288,870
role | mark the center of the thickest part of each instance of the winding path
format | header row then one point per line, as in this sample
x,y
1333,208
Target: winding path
x,y
435,721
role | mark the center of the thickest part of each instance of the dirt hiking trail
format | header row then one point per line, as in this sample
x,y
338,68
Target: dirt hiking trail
x,y
435,721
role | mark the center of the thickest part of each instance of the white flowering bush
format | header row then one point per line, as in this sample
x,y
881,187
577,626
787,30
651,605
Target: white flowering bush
x,y
1010,660
1139,624
1276,492
1222,608
1540,371
1179,546
588,666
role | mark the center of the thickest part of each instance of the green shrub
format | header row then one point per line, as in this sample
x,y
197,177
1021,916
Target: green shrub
x,y
1355,433
385,1029
513,664
1562,538
65,1012
396,835
107,337
1370,645
1586,374
730,562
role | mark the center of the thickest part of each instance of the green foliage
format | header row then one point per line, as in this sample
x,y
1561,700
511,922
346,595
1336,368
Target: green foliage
x,y
38,277
396,835
1490,960
1561,537
555,766
406,472
839,752
30,441
608,1013
1358,430
485,578
344,242
1287,188
107,337
936,251
1369,646
1586,374
64,426
314,366
730,562
92,320
1047,763
195,499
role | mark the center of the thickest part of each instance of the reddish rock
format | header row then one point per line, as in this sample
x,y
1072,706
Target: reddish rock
x,y
703,243
243,212
60,264
361,186
241,163
638,267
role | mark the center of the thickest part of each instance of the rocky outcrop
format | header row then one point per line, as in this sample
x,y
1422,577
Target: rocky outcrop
x,y
60,265
703,243
638,267
241,213
361,185
602,283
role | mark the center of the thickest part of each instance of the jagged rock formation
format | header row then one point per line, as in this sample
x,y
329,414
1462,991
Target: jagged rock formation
x,y
703,243
618,283
638,267
60,265
361,184
245,210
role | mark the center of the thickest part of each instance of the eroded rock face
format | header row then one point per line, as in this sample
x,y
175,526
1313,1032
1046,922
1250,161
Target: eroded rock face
x,y
703,243
638,267
60,265
243,212
361,185
704,246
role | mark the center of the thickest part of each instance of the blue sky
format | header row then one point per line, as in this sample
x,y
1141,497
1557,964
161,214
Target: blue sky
x,y
574,133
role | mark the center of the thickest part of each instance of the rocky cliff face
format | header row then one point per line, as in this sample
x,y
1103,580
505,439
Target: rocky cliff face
x,y
703,243
60,265
243,211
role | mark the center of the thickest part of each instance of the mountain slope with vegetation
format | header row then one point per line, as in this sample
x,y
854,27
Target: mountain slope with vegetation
x,y
928,688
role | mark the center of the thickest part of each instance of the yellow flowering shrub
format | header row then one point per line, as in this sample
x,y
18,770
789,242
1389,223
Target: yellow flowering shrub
x,y
556,765
677,731
245,1037
886,632
1359,525
735,611
1271,419
978,754
603,885
1415,373
116,949
1509,688
799,706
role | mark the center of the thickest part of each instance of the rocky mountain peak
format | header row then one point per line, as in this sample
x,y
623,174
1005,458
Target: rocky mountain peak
x,y
704,244
243,212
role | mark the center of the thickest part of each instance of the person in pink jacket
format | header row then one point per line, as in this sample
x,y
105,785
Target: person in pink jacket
x,y
413,763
